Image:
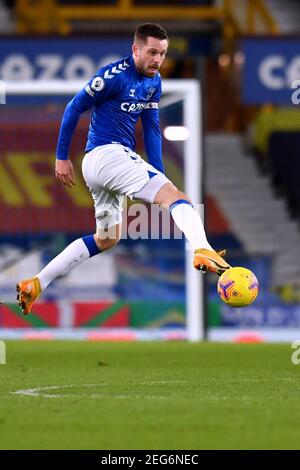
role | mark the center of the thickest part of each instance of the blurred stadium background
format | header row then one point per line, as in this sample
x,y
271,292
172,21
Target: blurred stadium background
x,y
153,395
245,55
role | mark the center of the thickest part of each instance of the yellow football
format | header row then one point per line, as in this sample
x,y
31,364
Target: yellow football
x,y
238,287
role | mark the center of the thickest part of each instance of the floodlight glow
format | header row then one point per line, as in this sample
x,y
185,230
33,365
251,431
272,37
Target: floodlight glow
x,y
175,133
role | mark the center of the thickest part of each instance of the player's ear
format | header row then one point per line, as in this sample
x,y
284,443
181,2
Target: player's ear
x,y
134,48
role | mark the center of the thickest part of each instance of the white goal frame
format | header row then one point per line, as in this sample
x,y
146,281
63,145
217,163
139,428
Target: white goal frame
x,y
187,91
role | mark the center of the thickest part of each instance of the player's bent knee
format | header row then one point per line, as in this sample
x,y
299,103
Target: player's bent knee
x,y
169,194
106,243
106,239
177,195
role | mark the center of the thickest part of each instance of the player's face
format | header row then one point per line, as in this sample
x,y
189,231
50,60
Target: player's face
x,y
149,56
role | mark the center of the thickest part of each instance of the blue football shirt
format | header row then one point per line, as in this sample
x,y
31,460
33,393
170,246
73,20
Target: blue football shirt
x,y
119,95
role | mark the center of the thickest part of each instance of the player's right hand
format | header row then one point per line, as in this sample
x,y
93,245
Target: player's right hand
x,y
64,172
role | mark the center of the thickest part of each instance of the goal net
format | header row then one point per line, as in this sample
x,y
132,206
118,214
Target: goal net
x,y
146,288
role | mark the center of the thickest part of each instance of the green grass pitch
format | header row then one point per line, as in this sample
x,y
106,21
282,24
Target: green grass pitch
x,y
85,395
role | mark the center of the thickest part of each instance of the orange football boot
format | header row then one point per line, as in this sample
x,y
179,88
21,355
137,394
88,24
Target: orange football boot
x,y
28,291
210,260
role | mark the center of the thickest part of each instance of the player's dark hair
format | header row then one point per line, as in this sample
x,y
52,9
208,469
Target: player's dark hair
x,y
150,29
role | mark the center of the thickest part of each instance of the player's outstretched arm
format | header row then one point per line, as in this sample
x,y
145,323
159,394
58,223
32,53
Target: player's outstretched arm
x,y
64,172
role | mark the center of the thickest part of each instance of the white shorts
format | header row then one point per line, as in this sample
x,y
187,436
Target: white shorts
x,y
112,172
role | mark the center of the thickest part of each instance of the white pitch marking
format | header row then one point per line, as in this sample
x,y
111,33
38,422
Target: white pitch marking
x,y
38,392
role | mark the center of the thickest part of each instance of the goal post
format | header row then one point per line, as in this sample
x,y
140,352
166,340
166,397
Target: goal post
x,y
188,94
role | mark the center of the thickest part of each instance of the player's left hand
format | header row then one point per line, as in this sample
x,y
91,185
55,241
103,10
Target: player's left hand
x,y
64,172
